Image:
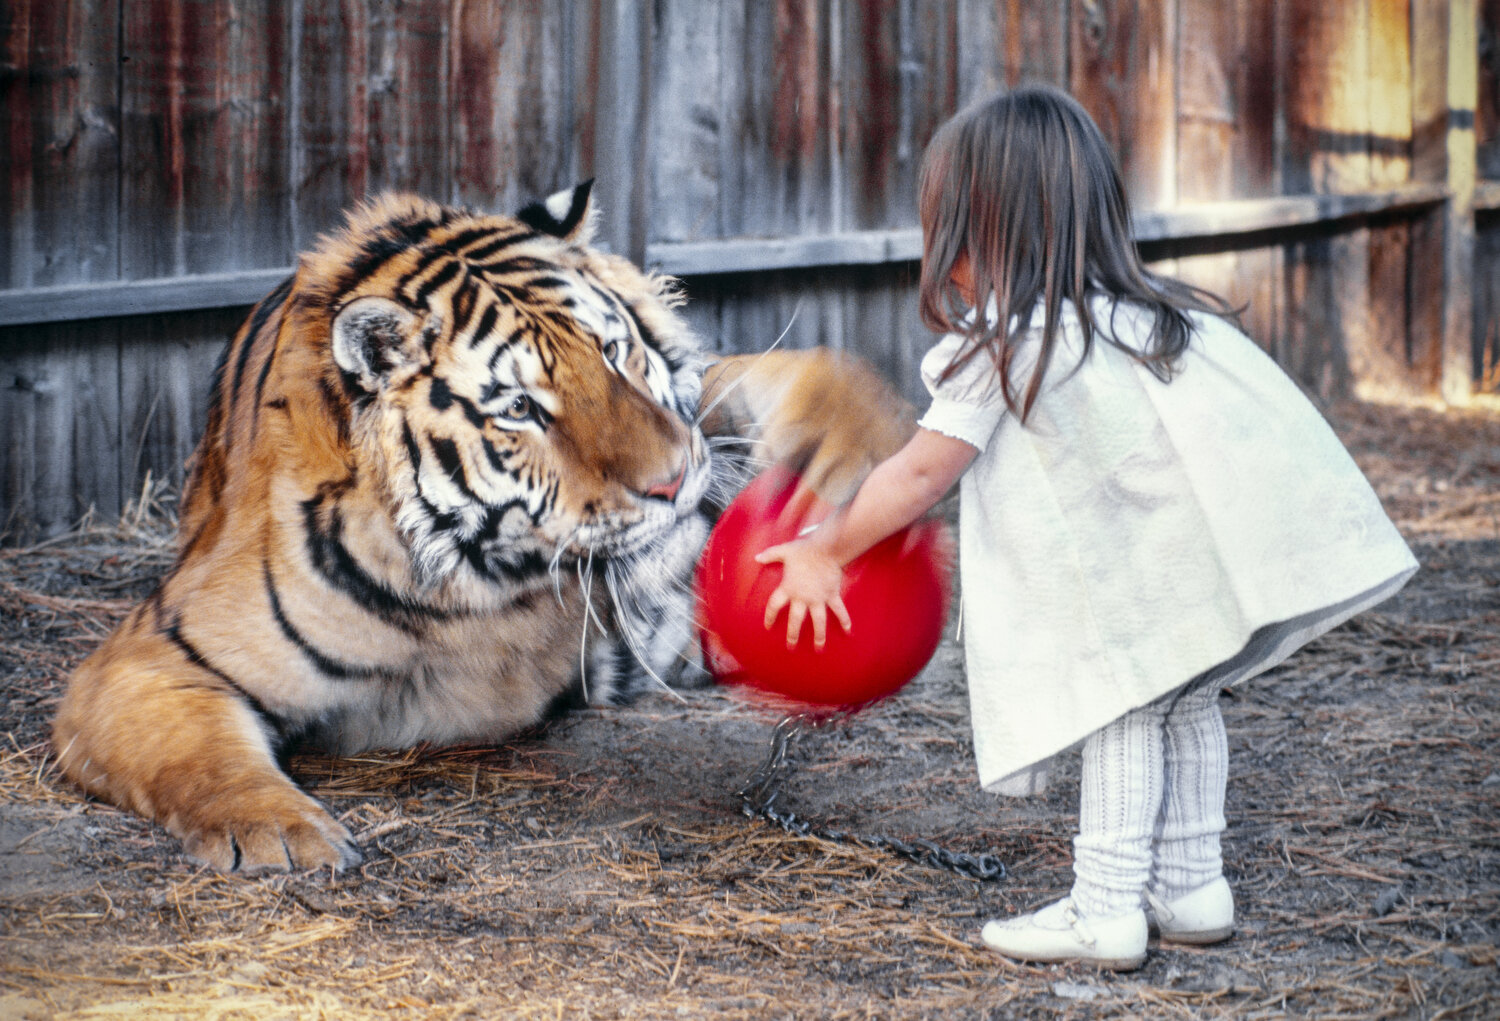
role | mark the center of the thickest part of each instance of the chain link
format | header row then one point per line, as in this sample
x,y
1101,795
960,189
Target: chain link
x,y
758,800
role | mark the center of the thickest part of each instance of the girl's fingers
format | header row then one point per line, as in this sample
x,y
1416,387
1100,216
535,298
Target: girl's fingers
x,y
819,617
840,611
794,618
774,605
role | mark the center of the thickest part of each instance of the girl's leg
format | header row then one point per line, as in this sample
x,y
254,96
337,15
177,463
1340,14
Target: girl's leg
x,y
1187,852
1103,921
1189,899
1119,803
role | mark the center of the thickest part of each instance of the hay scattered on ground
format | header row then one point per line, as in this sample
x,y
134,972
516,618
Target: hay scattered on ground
x,y
601,869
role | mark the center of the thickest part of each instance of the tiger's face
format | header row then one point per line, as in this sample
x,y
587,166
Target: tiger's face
x,y
530,401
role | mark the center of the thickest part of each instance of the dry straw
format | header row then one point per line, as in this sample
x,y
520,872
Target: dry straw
x,y
601,869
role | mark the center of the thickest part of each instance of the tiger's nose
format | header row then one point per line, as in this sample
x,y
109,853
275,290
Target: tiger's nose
x,y
668,490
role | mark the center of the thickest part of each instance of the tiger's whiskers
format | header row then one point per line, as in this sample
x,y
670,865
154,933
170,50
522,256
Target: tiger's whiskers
x,y
733,466
629,635
705,412
586,582
554,564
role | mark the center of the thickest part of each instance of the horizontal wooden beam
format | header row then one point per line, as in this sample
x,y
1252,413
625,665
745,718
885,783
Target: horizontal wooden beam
x,y
758,255
734,255
1487,196
1257,216
138,297
1180,223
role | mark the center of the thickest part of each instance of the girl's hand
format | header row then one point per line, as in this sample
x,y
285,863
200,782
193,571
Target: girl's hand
x,y
896,493
811,585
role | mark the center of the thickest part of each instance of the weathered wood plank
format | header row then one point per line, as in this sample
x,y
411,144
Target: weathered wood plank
x,y
1487,108
776,172
1487,196
618,93
975,37
370,110
1389,92
1461,347
1382,360
1445,82
1207,113
329,136
60,416
1226,113
164,390
1487,304
511,68
1225,221
408,97
1328,141
1381,357
59,142
949,54
1327,107
1123,69
689,129
203,187
876,132
59,157
1035,41
1225,145
138,297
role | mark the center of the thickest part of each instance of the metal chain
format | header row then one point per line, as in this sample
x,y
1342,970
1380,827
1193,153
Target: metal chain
x,y
766,784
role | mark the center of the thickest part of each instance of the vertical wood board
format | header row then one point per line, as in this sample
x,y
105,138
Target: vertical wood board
x,y
1487,304
165,379
60,416
59,142
1487,108
329,136
689,128
1123,69
1226,105
513,136
203,129
1036,40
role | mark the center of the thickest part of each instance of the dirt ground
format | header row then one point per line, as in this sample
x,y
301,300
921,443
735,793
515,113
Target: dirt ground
x,y
603,869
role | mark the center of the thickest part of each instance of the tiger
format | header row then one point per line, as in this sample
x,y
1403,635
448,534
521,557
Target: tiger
x,y
456,473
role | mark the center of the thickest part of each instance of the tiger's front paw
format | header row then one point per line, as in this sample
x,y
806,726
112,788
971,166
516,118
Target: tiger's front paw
x,y
827,415
270,831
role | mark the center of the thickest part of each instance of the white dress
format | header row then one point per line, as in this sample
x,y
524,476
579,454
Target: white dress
x,y
1136,534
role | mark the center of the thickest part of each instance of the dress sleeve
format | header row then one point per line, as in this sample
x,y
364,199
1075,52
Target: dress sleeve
x,y
968,404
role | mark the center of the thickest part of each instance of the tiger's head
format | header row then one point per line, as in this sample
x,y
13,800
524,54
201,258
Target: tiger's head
x,y
529,399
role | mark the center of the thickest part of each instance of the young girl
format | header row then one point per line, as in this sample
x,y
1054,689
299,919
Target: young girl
x,y
1150,511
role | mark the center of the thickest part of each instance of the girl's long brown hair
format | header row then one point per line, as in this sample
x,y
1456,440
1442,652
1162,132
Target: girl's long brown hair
x,y
1025,185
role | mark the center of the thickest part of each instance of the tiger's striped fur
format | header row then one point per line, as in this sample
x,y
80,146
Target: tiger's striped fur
x,y
452,477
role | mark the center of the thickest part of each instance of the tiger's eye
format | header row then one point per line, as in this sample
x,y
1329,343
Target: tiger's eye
x,y
518,409
612,349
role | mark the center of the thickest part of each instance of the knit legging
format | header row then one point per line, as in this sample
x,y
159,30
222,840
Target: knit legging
x,y
1151,806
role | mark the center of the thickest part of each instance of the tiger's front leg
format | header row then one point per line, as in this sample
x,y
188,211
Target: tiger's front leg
x,y
825,414
147,728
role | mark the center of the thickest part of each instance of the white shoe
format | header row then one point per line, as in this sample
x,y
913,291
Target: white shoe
x,y
1059,933
1199,917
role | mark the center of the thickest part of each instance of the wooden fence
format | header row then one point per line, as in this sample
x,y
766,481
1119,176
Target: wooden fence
x,y
1331,163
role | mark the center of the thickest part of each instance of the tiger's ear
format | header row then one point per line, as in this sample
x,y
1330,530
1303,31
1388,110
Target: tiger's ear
x,y
567,214
374,336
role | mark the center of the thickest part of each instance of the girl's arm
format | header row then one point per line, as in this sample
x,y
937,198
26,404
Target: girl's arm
x,y
895,494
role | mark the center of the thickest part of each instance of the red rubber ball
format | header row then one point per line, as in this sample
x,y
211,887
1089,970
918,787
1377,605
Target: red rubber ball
x,y
896,593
